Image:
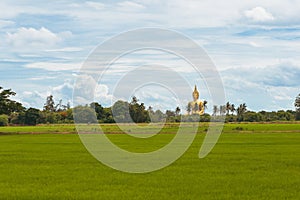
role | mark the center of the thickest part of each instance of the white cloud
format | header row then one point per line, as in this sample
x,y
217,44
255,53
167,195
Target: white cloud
x,y
87,90
130,6
254,44
265,88
93,22
25,36
259,14
9,11
34,98
102,95
157,97
65,49
4,23
95,5
30,39
170,13
54,66
63,92
41,78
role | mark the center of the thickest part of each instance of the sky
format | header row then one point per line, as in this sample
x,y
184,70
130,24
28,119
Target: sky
x,y
255,46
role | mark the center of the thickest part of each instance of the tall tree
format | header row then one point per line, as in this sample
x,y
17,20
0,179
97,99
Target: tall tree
x,y
244,107
215,110
31,116
205,105
222,109
177,111
3,120
150,109
8,106
134,100
232,108
98,109
138,111
84,114
159,116
297,102
49,105
121,111
241,111
297,106
170,113
228,108
68,106
189,108
61,107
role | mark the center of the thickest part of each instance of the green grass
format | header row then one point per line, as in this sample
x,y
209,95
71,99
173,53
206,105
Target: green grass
x,y
70,128
168,128
261,161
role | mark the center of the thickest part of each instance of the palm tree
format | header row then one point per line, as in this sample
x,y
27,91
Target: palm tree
x,y
241,110
215,110
150,110
134,100
222,109
205,105
177,111
228,108
244,107
232,108
189,108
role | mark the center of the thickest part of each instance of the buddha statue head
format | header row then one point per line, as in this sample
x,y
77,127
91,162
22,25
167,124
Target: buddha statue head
x,y
195,94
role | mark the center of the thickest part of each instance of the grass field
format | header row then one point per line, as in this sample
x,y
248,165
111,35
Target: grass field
x,y
250,161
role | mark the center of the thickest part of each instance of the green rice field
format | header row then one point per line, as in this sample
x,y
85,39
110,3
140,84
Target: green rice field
x,y
250,161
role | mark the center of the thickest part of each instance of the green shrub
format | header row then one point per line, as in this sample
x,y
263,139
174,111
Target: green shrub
x,y
297,115
238,128
3,120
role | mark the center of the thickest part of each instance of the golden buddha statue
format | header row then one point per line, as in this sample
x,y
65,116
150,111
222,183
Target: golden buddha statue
x,y
196,106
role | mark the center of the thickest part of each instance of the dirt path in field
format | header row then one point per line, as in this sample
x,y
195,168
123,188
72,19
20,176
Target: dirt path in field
x,y
34,133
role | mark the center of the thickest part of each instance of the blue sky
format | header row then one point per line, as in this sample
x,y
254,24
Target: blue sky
x,y
255,46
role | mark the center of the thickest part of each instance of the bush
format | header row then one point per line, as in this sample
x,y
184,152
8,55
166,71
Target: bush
x,y
84,114
251,116
32,116
3,120
205,118
231,118
297,115
17,118
238,128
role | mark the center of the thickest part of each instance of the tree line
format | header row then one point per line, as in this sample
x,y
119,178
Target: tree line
x,y
14,113
242,114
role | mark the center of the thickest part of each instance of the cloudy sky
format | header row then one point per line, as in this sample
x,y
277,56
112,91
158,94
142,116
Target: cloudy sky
x,y
255,45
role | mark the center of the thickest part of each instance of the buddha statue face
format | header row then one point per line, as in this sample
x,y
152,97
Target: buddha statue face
x,y
195,94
